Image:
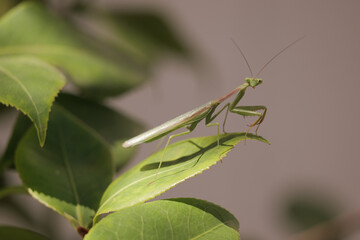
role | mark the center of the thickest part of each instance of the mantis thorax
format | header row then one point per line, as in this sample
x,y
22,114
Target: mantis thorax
x,y
253,82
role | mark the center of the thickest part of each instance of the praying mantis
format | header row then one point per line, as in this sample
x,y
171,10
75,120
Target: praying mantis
x,y
206,111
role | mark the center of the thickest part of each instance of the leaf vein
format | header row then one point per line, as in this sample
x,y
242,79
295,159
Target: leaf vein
x,y
12,76
70,175
208,231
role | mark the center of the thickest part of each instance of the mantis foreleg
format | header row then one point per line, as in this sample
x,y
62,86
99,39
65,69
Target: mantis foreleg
x,y
228,106
251,111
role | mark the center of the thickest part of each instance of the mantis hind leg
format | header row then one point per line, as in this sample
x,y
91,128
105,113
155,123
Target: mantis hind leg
x,y
164,151
211,116
190,128
218,136
167,143
159,144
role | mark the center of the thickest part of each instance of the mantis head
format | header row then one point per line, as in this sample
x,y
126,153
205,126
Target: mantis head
x,y
253,82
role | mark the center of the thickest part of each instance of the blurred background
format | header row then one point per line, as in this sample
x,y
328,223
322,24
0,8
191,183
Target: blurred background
x,y
310,172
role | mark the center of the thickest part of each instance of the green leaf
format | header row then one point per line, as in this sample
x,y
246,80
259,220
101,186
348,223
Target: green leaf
x,y
15,233
143,34
31,29
70,173
7,4
30,85
22,124
220,213
113,126
183,160
167,219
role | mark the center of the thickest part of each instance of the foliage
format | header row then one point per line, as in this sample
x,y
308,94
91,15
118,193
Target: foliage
x,y
66,146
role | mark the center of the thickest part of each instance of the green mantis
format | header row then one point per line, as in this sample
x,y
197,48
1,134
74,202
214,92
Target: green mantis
x,y
193,117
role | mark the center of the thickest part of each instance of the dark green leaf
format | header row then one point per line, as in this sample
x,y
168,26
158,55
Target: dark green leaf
x,y
15,233
21,126
31,29
3,108
166,219
303,211
70,173
183,159
143,34
30,85
113,126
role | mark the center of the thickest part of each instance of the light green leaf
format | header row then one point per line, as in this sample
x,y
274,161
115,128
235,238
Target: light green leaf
x,y
72,170
31,29
113,126
15,233
175,219
182,160
30,85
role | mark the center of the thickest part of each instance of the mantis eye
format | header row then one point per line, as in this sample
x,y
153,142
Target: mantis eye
x,y
255,81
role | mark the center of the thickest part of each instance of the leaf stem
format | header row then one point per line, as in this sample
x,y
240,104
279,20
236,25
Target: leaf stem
x,y
12,190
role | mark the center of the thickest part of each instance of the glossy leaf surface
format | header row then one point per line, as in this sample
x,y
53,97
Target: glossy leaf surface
x,y
175,219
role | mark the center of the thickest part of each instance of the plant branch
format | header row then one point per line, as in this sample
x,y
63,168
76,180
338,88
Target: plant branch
x,y
12,190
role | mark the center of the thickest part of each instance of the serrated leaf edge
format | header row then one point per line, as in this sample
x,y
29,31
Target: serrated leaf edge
x,y
222,155
75,222
41,134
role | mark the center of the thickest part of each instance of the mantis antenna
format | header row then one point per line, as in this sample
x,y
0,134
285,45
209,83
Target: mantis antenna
x,y
242,54
276,55
271,59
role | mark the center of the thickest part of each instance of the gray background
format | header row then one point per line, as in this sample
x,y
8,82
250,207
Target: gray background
x,y
311,91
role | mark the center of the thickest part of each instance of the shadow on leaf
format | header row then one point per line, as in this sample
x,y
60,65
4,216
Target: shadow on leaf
x,y
198,154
